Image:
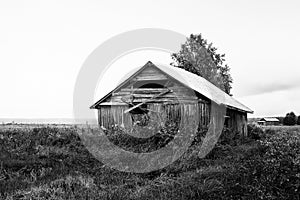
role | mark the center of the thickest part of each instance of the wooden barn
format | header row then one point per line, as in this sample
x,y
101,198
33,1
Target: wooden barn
x,y
268,121
169,91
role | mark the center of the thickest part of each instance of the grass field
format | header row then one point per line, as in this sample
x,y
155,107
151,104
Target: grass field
x,y
50,162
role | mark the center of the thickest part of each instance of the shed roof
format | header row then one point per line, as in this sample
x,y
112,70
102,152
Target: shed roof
x,y
192,81
269,119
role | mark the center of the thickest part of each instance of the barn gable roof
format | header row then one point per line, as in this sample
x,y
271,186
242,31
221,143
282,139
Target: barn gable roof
x,y
190,80
269,119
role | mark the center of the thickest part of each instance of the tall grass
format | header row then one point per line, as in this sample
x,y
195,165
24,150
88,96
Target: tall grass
x,y
50,162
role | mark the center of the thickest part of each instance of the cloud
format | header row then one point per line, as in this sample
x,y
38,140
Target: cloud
x,y
276,103
270,87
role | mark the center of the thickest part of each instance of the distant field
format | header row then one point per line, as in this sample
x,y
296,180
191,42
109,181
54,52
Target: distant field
x,y
50,162
281,128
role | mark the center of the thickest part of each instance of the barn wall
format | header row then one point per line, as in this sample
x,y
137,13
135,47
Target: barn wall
x,y
150,73
271,123
237,121
204,112
110,116
154,75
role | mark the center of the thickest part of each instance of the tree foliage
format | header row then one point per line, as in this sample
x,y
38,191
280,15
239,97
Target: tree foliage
x,y
200,57
298,120
290,119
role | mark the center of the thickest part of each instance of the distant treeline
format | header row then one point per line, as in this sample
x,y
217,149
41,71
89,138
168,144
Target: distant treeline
x,y
290,119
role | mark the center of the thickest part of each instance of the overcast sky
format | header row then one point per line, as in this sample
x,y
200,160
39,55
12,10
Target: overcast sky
x,y
44,43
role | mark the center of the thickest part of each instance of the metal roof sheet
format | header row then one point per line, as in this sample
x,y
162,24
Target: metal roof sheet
x,y
204,87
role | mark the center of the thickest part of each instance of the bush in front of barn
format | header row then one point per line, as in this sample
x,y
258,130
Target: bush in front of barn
x,y
255,132
121,137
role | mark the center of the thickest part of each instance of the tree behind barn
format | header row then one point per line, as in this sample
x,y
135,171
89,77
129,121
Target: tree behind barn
x,y
201,58
290,119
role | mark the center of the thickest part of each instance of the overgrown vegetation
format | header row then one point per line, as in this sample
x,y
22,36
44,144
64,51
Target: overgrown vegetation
x,y
51,163
121,138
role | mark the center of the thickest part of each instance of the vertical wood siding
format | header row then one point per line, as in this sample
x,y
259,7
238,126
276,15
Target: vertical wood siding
x,y
237,122
110,116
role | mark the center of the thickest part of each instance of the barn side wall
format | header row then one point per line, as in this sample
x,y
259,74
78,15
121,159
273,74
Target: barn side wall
x,y
268,123
237,121
110,116
204,112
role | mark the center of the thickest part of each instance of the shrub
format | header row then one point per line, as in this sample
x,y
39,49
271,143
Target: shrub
x,y
228,136
255,132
